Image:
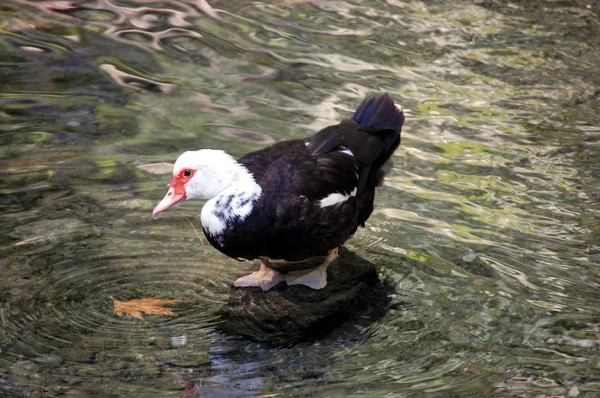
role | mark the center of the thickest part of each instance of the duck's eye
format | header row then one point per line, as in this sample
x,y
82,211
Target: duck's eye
x,y
187,173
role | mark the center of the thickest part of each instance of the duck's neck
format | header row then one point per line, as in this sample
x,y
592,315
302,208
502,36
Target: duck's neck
x,y
237,192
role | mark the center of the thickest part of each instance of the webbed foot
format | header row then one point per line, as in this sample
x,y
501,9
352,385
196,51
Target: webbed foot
x,y
265,278
315,278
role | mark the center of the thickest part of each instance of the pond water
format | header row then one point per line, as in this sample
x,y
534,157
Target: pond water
x,y
487,228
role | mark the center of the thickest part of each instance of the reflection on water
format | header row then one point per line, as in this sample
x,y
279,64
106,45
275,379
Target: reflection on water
x,y
487,227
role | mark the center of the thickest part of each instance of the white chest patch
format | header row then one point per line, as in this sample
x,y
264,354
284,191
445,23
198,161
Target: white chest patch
x,y
335,198
232,205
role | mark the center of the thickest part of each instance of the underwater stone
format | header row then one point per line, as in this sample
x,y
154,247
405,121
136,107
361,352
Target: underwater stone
x,y
285,315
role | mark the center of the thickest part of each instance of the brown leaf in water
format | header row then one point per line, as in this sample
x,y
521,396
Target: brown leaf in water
x,y
149,305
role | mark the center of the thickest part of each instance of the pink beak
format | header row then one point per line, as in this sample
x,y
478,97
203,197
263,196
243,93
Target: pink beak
x,y
175,194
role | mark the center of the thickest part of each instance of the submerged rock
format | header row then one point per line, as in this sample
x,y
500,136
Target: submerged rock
x,y
286,315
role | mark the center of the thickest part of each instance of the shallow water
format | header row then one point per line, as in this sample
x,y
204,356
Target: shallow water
x,y
487,227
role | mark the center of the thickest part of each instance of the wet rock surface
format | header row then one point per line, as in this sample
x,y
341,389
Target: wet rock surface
x,y
286,315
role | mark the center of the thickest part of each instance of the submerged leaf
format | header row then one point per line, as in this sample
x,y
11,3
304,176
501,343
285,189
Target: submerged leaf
x,y
149,305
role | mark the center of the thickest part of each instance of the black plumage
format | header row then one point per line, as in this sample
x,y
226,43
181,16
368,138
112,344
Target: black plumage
x,y
288,221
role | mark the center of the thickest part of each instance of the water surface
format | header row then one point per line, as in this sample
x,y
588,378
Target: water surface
x,y
487,227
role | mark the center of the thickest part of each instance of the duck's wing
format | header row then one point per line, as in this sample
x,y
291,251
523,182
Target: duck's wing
x,y
333,173
311,177
345,158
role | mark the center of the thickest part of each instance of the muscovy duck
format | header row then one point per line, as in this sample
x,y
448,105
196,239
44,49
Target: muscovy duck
x,y
294,201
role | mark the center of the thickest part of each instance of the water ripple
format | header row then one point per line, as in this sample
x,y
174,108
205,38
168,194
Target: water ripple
x,y
486,227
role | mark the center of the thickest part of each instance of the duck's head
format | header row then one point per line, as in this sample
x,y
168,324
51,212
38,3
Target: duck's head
x,y
199,174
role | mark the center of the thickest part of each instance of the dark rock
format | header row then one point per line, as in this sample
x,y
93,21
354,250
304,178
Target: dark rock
x,y
285,315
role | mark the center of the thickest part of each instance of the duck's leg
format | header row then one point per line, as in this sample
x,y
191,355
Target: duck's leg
x,y
265,278
315,278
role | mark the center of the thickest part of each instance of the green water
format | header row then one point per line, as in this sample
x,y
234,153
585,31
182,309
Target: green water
x,y
487,228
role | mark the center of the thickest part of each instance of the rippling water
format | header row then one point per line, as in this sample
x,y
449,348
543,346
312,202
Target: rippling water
x,y
487,227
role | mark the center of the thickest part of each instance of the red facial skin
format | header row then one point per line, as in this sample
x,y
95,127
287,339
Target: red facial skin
x,y
176,190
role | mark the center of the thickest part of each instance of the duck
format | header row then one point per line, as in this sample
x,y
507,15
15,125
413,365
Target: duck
x,y
291,205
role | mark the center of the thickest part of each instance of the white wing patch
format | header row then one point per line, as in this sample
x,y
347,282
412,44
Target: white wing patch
x,y
335,198
347,151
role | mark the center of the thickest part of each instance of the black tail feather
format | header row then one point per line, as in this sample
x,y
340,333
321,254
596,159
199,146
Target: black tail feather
x,y
384,121
379,113
373,141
